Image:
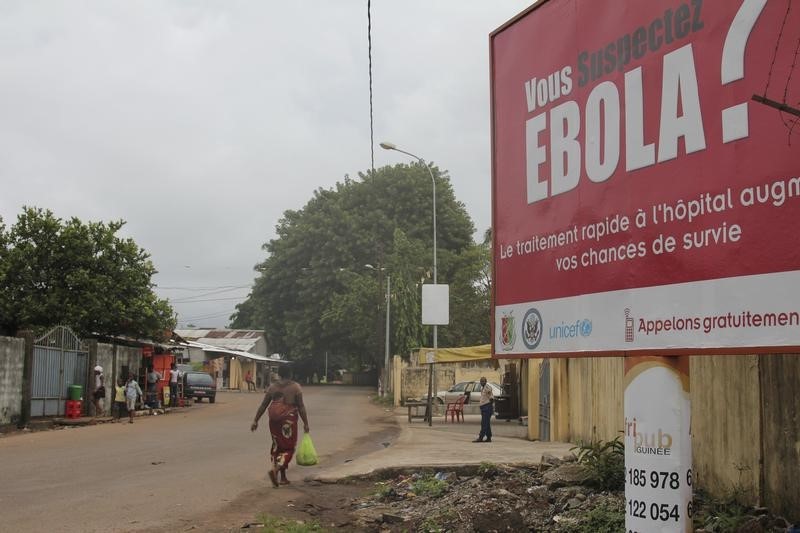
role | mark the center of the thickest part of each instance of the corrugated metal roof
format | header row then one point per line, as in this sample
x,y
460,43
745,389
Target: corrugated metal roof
x,y
233,344
231,339
192,334
238,353
234,334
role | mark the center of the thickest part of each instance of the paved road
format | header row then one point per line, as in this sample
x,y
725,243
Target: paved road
x,y
166,469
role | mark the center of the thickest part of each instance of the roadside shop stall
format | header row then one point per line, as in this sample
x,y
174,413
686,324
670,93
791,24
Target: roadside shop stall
x,y
160,360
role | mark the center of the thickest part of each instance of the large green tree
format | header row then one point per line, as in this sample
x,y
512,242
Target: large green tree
x,y
83,275
314,293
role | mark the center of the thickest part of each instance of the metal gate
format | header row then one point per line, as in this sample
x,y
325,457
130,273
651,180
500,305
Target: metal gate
x,y
544,400
59,360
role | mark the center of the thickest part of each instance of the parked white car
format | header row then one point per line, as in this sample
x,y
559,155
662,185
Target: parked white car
x,y
473,388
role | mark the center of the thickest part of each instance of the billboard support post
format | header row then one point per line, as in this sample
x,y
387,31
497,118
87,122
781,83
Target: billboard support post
x,y
658,447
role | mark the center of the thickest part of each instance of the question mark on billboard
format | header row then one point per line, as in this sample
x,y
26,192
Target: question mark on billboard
x,y
734,118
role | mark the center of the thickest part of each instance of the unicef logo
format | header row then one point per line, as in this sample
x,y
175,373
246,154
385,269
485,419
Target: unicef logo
x,y
586,327
532,329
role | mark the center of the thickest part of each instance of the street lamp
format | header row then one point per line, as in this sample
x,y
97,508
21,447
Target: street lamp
x,y
391,146
386,353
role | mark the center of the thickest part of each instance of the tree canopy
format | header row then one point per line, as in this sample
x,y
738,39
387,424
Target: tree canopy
x,y
78,274
322,287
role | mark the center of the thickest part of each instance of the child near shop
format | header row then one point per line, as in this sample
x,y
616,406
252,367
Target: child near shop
x,y
119,399
132,392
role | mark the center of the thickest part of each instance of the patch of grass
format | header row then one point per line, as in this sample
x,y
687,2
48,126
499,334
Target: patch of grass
x,y
726,513
713,515
273,524
384,490
488,470
608,517
438,521
604,461
725,517
429,486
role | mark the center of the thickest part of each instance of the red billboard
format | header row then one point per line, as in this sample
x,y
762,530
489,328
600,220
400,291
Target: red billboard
x,y
646,178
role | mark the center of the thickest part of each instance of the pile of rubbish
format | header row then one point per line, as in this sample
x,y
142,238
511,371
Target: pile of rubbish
x,y
547,497
552,496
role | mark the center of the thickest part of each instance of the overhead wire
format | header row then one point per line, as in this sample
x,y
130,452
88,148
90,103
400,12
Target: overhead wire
x,y
369,54
206,316
210,288
196,296
208,300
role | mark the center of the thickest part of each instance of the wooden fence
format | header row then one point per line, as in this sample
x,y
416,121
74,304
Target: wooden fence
x,y
745,420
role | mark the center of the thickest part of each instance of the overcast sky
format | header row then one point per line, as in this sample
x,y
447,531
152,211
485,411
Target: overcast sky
x,y
199,122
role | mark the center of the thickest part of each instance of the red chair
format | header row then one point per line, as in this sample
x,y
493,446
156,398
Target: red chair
x,y
455,410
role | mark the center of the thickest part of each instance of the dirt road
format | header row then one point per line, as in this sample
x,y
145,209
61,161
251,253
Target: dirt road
x,y
171,472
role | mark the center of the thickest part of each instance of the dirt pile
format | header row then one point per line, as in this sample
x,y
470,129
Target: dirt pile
x,y
547,497
553,496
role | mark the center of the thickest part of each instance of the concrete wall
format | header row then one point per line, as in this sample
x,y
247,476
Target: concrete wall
x,y
12,351
130,357
473,374
412,381
112,358
397,379
12,357
415,380
745,419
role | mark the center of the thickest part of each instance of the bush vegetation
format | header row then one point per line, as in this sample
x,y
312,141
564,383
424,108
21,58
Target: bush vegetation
x,y
604,462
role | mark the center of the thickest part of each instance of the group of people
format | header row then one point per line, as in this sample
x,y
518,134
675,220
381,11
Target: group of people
x,y
154,376
126,394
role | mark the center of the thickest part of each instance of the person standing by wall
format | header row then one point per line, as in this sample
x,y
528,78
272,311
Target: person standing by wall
x,y
487,399
132,392
99,393
284,398
174,380
153,377
119,399
248,378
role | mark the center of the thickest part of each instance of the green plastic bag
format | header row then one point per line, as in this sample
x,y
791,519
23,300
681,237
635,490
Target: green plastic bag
x,y
306,454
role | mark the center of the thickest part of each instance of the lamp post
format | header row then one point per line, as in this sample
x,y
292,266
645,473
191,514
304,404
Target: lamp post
x,y
391,146
388,311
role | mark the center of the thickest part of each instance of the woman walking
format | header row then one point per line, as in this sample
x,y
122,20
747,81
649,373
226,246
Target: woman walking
x,y
284,402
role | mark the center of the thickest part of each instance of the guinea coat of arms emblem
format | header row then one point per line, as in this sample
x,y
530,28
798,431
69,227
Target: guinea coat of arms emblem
x,y
507,331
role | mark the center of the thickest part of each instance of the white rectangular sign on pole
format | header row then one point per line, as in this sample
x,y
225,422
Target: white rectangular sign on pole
x,y
436,304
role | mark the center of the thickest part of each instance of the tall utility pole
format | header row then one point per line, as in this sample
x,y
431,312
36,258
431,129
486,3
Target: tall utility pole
x,y
432,377
386,372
